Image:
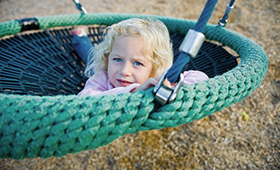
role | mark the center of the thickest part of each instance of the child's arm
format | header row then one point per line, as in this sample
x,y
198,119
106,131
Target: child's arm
x,y
99,89
99,84
191,77
151,82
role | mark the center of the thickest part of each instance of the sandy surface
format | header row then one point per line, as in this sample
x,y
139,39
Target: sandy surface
x,y
220,141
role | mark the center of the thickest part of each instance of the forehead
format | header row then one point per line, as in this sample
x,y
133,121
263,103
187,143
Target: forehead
x,y
143,41
132,47
125,38
130,43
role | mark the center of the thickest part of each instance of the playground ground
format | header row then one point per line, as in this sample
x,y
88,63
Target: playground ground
x,y
224,140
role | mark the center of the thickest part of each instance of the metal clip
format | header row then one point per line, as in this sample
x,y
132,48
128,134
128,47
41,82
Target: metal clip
x,y
223,21
80,7
165,94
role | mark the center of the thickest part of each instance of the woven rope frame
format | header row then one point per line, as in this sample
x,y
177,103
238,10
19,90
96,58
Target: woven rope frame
x,y
35,126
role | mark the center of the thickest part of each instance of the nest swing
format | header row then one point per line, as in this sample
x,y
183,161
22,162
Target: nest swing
x,y
40,115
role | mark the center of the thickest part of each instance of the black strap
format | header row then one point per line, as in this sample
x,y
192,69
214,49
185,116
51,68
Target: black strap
x,y
29,24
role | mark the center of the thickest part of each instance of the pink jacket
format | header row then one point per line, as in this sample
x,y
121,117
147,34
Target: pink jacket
x,y
99,84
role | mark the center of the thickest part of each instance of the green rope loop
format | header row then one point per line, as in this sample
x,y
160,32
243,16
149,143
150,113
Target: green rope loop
x,y
35,126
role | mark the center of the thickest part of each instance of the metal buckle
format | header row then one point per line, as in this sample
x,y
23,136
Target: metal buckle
x,y
164,94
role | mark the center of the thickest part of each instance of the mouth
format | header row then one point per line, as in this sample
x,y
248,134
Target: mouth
x,y
124,83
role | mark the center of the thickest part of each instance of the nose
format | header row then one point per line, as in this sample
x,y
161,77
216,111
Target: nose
x,y
125,70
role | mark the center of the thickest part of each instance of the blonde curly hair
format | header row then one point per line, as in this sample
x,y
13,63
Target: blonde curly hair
x,y
152,31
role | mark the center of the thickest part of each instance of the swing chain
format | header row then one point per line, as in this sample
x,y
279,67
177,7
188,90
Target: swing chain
x,y
224,20
80,7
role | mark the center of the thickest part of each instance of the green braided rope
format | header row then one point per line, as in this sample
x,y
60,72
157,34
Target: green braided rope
x,y
32,126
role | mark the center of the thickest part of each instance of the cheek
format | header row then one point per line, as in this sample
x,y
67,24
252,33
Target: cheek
x,y
144,77
151,70
110,70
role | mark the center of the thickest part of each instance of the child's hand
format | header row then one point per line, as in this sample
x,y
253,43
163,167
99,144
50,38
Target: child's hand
x,y
151,82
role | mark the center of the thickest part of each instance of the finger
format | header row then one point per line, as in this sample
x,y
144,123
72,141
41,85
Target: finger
x,y
167,83
151,82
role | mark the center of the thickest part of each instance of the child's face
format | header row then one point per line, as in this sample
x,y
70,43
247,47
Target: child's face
x,y
127,63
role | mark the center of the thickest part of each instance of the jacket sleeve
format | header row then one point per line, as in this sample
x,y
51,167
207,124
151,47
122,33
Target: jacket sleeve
x,y
120,90
97,89
191,77
100,85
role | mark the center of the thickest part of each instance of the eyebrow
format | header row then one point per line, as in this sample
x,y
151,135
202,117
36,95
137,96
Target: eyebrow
x,y
142,59
138,58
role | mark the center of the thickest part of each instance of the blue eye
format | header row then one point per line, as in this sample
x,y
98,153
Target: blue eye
x,y
138,63
117,59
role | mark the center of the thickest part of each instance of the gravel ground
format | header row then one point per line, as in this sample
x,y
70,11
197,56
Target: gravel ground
x,y
223,140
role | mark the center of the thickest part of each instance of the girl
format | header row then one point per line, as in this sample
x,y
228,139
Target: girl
x,y
132,57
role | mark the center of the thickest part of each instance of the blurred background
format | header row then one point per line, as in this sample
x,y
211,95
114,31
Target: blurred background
x,y
243,136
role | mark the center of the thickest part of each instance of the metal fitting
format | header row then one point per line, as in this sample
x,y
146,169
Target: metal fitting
x,y
80,7
228,9
223,21
163,94
192,42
